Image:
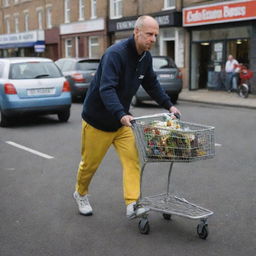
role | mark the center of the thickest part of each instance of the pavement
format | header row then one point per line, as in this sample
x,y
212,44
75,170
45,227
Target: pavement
x,y
221,98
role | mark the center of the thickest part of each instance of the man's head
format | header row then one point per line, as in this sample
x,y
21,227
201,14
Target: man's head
x,y
145,32
230,57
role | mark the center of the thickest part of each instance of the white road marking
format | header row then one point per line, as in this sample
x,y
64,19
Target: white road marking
x,y
218,145
32,151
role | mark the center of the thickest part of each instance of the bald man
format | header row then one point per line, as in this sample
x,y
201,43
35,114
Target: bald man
x,y
106,118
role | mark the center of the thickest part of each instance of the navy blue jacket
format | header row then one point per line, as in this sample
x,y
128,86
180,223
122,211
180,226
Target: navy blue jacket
x,y
120,73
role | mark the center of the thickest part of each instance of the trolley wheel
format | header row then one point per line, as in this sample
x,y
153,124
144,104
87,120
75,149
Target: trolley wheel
x,y
143,226
167,216
202,230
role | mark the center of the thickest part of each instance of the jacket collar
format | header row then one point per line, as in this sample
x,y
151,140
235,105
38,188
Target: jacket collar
x,y
131,42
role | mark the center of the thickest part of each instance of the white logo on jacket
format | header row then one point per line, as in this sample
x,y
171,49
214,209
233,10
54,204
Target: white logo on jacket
x,y
141,76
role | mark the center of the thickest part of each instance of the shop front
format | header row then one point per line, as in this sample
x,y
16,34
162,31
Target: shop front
x,y
170,40
216,31
27,44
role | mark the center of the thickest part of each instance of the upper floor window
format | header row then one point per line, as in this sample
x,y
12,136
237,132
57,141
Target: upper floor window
x,y
7,24
16,1
93,9
49,17
26,21
81,9
116,8
67,11
6,3
169,4
40,18
16,23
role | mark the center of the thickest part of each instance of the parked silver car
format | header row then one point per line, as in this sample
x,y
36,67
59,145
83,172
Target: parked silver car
x,y
32,85
169,77
79,72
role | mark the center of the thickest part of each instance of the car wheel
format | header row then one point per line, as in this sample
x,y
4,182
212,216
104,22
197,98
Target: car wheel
x,y
174,98
64,115
135,101
4,120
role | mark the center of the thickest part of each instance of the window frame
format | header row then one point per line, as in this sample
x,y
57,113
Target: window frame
x,y
81,9
114,6
6,3
7,24
16,22
26,20
93,9
39,14
167,7
90,44
67,11
68,47
48,16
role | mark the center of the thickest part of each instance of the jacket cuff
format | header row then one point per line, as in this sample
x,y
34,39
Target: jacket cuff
x,y
120,114
167,104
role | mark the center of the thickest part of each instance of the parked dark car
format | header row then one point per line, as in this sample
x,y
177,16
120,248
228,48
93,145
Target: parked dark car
x,y
32,85
169,77
79,72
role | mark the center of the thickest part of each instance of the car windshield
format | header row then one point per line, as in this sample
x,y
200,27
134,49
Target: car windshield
x,y
34,70
87,65
159,63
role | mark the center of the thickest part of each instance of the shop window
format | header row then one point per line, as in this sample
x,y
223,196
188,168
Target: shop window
x,y
239,48
81,9
49,17
16,23
94,47
220,34
169,4
68,48
67,11
116,8
26,21
93,9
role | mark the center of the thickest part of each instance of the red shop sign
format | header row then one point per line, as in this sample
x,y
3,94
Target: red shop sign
x,y
219,13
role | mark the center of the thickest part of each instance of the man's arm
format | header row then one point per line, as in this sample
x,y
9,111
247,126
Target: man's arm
x,y
154,89
111,71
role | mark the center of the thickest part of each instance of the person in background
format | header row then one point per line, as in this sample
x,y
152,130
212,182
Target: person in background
x,y
106,119
231,76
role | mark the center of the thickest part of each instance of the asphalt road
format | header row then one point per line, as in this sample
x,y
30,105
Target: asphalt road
x,y
39,217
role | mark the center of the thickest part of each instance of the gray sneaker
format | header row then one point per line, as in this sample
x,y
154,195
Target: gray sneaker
x,y
134,210
83,204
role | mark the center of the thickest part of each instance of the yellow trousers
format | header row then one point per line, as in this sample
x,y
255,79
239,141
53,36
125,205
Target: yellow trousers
x,y
95,144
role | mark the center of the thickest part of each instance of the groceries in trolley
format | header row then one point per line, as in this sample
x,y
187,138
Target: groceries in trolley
x,y
176,140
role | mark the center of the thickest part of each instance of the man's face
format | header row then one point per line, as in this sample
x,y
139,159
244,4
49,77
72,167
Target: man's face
x,y
146,35
230,57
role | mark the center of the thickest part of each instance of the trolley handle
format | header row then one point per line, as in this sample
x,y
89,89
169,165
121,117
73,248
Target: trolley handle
x,y
177,115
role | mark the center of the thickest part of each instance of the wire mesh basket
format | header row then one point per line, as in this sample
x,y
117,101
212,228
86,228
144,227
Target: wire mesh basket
x,y
160,138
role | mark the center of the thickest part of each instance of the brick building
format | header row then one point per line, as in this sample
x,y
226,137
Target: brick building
x,y
53,29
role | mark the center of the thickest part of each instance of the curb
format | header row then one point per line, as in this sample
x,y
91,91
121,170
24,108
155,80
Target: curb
x,y
217,103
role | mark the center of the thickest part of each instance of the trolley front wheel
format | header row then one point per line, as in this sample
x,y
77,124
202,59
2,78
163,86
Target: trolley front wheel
x,y
143,226
202,230
167,216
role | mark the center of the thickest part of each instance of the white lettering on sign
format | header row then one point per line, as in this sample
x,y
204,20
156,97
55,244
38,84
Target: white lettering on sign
x,y
234,11
225,12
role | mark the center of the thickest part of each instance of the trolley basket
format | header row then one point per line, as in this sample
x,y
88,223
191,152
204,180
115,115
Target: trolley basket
x,y
160,138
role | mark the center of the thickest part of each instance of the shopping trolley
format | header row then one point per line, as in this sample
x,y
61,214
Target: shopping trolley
x,y
161,138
